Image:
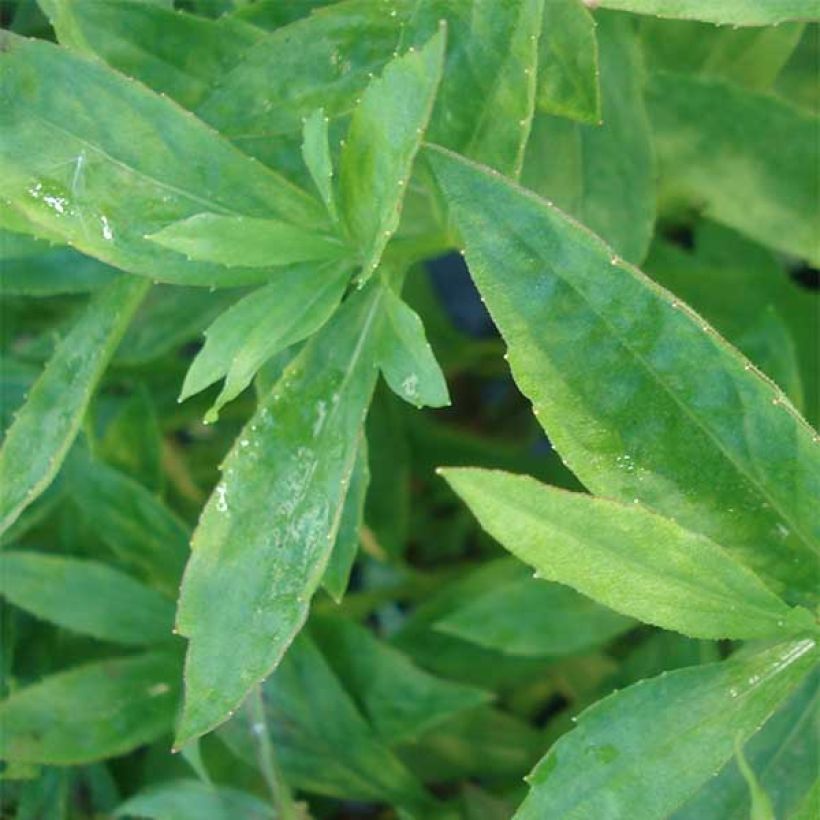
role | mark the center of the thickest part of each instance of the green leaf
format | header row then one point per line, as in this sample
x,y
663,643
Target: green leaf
x,y
761,808
401,701
41,434
143,40
642,752
103,188
610,552
143,533
568,62
739,12
239,241
809,806
316,154
784,755
91,712
340,565
290,308
384,135
194,800
406,358
522,617
606,175
266,534
639,394
720,148
86,596
323,742
31,267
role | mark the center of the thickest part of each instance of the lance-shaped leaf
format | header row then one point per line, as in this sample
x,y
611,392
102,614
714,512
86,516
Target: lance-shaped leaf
x,y
738,12
239,241
626,557
406,358
265,536
783,754
519,616
45,427
194,800
642,752
401,701
104,188
568,62
641,397
605,177
316,154
143,40
340,565
323,742
94,711
138,528
295,304
86,596
720,149
384,136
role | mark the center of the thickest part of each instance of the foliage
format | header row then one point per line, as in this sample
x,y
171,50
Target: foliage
x,y
276,473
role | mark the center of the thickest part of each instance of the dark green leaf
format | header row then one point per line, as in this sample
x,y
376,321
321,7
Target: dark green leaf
x,y
94,711
41,434
642,752
266,534
86,596
639,394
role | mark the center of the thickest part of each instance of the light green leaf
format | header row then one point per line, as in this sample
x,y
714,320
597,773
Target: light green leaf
x,y
340,565
721,151
568,62
640,753
239,241
522,617
142,39
316,154
41,434
603,174
784,755
86,596
288,309
810,805
401,701
626,557
322,741
266,534
103,188
142,533
91,712
406,358
739,12
384,135
194,800
640,395
761,806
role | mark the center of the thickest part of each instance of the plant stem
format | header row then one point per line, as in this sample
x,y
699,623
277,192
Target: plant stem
x,y
283,802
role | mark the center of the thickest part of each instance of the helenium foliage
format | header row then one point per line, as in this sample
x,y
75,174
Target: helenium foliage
x,y
408,408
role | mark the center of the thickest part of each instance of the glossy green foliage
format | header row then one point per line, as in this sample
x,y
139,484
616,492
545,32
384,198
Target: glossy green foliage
x,y
40,436
592,771
490,479
291,307
94,599
104,189
739,12
385,133
266,534
94,711
609,551
776,168
518,244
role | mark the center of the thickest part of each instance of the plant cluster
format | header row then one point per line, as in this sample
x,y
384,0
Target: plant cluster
x,y
285,491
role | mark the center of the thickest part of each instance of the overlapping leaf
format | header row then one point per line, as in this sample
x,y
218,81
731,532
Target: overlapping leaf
x,y
738,12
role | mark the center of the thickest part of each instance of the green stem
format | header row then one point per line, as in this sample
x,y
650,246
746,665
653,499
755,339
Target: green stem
x,y
283,802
